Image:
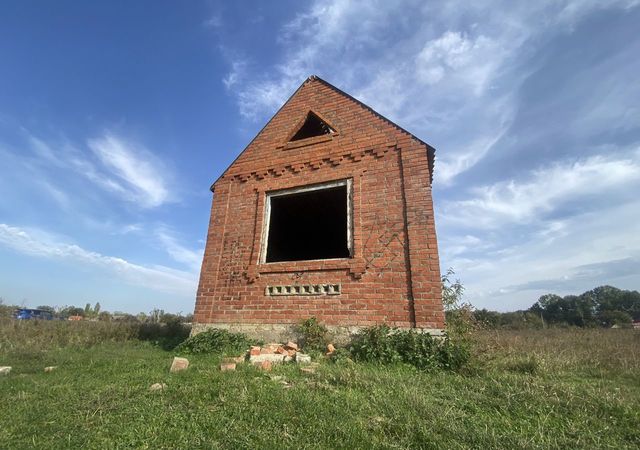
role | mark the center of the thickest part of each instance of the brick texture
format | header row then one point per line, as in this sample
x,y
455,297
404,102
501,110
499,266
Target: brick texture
x,y
393,276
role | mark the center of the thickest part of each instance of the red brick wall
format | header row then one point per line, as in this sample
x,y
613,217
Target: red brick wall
x,y
394,275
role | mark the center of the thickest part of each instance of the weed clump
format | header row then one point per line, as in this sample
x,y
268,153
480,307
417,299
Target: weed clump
x,y
313,335
215,341
390,345
168,336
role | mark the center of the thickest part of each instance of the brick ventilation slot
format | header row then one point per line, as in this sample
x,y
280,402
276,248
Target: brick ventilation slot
x,y
304,289
308,226
313,126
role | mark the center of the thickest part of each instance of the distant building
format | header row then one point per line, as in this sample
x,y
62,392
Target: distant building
x,y
636,324
31,314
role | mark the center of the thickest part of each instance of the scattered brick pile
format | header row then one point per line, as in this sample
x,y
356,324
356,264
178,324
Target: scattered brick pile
x,y
267,355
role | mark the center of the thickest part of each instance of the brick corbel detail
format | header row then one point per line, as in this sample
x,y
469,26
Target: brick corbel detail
x,y
313,164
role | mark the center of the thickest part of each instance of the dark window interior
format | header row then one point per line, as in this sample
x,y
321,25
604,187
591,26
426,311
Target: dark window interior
x,y
313,126
308,225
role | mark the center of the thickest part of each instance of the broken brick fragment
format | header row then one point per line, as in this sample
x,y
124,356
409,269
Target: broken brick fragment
x,y
227,366
330,348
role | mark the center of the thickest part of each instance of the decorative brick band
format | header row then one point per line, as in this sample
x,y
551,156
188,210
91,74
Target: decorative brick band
x,y
303,289
331,161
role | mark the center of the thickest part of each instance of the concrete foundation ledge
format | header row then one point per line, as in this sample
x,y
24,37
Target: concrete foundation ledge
x,y
278,332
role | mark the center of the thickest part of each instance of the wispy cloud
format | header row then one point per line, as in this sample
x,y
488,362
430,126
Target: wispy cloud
x,y
512,266
547,189
448,72
110,162
41,244
134,165
578,277
190,257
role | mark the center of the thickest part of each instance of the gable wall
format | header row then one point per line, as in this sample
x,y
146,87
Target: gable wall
x,y
394,275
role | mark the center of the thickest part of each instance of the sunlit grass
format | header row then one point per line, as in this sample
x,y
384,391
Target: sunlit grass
x,y
546,389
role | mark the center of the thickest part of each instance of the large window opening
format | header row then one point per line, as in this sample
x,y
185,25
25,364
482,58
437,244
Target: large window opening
x,y
309,223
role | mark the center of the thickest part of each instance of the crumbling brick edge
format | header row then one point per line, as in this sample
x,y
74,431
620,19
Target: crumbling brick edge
x,y
279,332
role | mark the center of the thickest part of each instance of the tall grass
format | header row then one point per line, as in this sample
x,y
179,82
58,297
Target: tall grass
x,y
39,336
558,351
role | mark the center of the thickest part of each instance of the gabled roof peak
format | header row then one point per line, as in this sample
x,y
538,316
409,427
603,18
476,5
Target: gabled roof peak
x,y
315,78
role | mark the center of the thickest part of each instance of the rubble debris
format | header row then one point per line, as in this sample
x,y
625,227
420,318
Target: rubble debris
x,y
179,364
301,358
157,387
227,366
330,349
271,357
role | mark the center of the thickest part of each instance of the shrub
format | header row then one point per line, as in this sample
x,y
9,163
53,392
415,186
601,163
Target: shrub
x,y
168,336
459,314
375,344
313,335
424,351
215,341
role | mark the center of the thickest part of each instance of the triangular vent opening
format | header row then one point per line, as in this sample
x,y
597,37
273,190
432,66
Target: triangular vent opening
x,y
313,126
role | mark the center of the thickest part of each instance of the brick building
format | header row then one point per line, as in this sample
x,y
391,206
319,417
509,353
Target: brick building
x,y
326,213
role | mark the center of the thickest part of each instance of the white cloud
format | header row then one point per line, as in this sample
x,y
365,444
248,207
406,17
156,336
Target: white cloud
x,y
560,258
180,253
134,165
114,164
547,189
472,61
460,161
41,244
448,71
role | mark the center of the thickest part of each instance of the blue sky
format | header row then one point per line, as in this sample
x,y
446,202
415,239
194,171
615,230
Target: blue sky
x,y
115,117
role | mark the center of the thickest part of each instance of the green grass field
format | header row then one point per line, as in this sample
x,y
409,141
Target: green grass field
x,y
544,389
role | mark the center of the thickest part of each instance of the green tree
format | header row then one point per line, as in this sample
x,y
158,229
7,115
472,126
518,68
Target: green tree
x,y
487,319
611,318
68,311
49,309
105,316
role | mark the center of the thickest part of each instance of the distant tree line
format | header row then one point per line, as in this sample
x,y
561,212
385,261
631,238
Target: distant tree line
x,y
604,306
95,312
